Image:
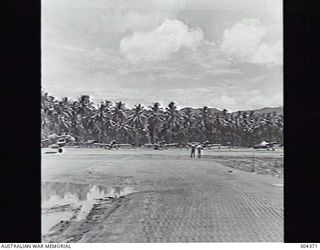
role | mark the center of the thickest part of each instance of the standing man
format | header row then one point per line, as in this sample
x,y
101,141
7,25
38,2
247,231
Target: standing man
x,y
199,148
193,150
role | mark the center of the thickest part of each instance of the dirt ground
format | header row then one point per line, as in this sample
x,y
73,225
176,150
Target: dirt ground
x,y
138,195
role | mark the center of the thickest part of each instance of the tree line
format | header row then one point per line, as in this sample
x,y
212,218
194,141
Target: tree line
x,y
108,121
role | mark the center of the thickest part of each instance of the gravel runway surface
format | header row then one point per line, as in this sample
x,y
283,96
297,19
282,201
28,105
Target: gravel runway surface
x,y
127,195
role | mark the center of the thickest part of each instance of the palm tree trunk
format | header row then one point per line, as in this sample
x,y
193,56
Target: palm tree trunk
x,y
99,135
115,134
154,134
136,138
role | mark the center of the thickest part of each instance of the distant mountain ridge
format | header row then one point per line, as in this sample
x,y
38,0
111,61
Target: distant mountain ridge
x,y
265,110
198,110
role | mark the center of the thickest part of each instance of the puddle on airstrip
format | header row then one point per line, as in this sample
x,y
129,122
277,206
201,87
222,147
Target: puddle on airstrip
x,y
66,201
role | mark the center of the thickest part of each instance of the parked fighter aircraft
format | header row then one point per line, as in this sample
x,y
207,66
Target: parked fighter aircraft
x,y
112,144
57,142
161,145
206,144
85,143
265,145
209,145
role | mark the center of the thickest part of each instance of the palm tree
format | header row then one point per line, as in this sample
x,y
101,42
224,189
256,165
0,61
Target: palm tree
x,y
155,119
108,123
118,116
76,124
188,123
85,108
82,119
138,122
204,126
63,110
171,121
102,121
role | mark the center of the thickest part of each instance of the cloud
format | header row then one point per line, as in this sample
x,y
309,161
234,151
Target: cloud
x,y
89,46
227,101
119,21
160,43
155,4
244,42
268,54
259,98
137,4
97,22
243,38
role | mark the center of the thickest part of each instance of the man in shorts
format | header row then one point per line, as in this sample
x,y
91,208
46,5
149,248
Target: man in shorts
x,y
199,148
193,150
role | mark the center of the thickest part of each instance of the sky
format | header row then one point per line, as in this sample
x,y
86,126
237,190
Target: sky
x,y
222,54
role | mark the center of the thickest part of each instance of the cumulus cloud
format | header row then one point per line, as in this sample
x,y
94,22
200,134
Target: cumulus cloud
x,y
159,43
259,98
98,18
227,101
243,38
155,4
137,4
244,42
119,21
268,54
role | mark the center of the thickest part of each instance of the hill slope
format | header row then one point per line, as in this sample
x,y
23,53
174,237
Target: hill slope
x,y
279,110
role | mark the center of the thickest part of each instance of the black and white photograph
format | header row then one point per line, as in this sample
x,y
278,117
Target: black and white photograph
x,y
162,121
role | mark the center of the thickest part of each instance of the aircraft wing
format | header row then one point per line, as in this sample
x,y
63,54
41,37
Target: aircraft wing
x,y
70,138
171,144
55,146
273,143
83,143
123,145
102,144
264,143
